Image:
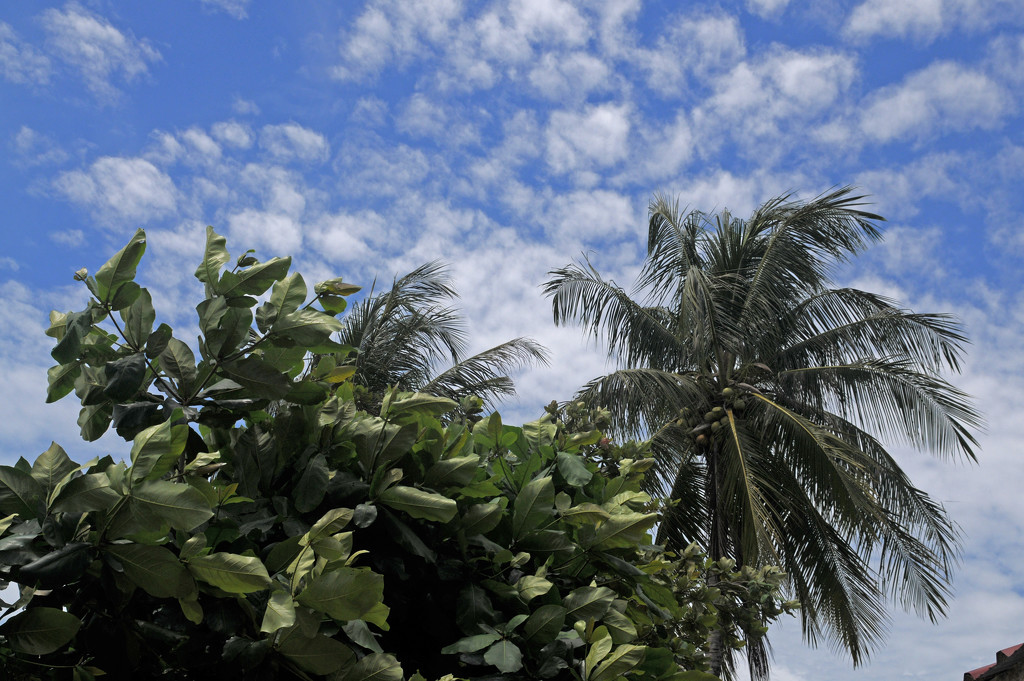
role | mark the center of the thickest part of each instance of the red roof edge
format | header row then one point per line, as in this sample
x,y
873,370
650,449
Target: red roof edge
x,y
975,673
1006,652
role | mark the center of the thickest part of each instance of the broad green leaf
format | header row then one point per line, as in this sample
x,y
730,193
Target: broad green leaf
x,y
121,267
312,485
533,506
506,656
540,432
621,628
573,469
530,587
154,568
600,646
588,602
225,329
544,623
258,376
452,472
482,518
231,572
254,280
622,660
51,467
332,522
470,644
179,362
344,594
124,377
306,392
40,631
288,294
215,256
419,503
20,493
585,513
191,609
375,667
94,420
280,612
158,341
340,374
361,635
336,287
156,449
60,380
472,608
59,567
420,403
305,327
138,320
318,655
182,507
76,328
624,530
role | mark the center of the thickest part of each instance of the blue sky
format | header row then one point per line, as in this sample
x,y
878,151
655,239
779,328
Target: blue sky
x,y
509,138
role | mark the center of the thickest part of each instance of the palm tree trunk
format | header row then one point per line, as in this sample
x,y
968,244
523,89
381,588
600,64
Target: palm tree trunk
x,y
717,533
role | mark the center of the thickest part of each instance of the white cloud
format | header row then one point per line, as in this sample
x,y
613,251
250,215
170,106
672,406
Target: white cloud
x,y
767,8
278,233
99,51
232,134
34,148
699,46
943,97
236,8
559,76
370,111
244,107
925,20
202,148
590,217
19,61
596,136
422,117
69,237
901,191
120,188
291,141
8,263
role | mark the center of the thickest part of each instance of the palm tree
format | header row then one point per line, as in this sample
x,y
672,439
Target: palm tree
x,y
767,393
410,338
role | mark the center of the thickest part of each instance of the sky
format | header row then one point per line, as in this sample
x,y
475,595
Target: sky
x,y
510,138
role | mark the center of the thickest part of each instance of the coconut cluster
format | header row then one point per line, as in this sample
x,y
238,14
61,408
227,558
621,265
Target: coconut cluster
x,y
702,428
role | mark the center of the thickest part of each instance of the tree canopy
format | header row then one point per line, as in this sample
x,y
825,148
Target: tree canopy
x,y
263,527
769,395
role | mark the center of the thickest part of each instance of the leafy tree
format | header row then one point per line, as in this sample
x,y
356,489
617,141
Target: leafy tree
x,y
767,392
409,337
264,528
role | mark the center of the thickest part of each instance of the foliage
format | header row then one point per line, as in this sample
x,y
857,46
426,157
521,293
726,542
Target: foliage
x,y
766,391
409,337
317,541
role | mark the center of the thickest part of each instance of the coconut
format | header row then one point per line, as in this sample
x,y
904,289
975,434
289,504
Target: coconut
x,y
710,416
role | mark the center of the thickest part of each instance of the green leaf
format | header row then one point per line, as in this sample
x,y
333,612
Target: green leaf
x,y
506,656
452,472
138,320
124,377
40,631
600,646
254,280
332,522
305,327
573,469
530,587
544,623
420,403
344,594
533,506
215,256
336,287
585,513
306,392
309,491
623,659
19,493
231,572
621,628
51,467
473,608
94,420
280,612
156,449
360,633
60,380
470,644
419,503
623,530
539,433
121,267
179,362
253,373
588,602
318,655
155,569
482,518
375,667
289,293
90,492
182,507
157,342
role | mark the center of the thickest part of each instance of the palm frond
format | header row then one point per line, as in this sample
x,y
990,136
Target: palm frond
x,y
486,373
